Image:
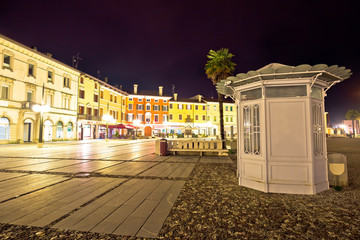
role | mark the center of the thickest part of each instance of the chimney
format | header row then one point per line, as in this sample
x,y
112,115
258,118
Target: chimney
x,y
120,87
199,96
160,90
48,54
135,88
106,79
175,96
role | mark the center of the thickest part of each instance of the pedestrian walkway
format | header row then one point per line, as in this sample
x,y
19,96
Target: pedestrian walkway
x,y
127,189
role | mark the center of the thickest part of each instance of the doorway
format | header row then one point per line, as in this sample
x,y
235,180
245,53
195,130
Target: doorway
x,y
27,130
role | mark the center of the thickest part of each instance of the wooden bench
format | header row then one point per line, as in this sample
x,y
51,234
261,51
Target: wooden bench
x,y
199,146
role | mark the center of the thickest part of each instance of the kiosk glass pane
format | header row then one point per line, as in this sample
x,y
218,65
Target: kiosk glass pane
x,y
285,91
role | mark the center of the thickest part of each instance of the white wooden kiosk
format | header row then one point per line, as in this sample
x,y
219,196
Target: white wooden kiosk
x,y
282,144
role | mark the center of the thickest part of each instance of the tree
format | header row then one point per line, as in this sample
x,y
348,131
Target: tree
x,y
352,115
219,67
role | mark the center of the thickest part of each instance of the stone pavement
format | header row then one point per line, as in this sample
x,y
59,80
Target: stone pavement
x,y
119,187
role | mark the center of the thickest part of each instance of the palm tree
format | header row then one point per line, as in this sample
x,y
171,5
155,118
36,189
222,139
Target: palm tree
x,y
352,115
218,67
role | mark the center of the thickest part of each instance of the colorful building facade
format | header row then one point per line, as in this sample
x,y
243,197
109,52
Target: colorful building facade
x,y
147,111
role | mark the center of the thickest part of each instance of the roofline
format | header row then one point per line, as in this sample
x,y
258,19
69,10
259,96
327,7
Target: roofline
x,y
39,53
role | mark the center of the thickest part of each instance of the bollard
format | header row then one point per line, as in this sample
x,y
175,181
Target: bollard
x,y
338,173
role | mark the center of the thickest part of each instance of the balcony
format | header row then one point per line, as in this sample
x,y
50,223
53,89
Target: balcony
x,y
89,117
27,105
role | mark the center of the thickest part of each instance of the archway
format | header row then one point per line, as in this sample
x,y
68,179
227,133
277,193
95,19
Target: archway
x,y
4,129
69,130
48,130
59,130
147,131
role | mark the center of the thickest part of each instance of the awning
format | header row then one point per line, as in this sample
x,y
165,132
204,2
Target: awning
x,y
119,126
131,127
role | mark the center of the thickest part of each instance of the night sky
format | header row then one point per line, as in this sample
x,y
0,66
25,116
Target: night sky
x,y
154,42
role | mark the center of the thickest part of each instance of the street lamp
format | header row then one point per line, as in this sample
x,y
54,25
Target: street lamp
x,y
41,109
136,123
107,118
166,123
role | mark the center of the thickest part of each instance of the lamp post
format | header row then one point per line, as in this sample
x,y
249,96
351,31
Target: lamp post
x,y
136,123
41,109
108,119
166,123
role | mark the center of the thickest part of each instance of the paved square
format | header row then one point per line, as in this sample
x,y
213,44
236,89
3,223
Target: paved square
x,y
129,190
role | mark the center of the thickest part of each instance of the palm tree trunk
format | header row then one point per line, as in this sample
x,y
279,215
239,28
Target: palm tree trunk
x,y
221,112
353,127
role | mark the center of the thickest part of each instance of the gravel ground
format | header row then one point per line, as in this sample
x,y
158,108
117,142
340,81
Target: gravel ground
x,y
213,206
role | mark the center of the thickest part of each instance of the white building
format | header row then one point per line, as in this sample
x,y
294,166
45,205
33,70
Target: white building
x,y
28,77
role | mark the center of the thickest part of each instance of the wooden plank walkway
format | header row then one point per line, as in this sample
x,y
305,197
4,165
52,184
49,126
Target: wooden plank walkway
x,y
47,165
88,166
138,207
173,170
42,207
127,168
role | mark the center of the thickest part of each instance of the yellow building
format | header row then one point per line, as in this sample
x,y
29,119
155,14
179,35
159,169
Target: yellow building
x,y
112,103
213,116
187,116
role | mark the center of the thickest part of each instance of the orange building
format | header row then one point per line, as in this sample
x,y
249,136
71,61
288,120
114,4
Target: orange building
x,y
147,110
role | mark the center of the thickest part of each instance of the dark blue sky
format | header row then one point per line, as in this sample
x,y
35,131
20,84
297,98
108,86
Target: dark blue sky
x,y
155,42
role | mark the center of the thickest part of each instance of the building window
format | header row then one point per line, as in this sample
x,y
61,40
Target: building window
x,y
188,107
81,110
129,117
96,85
170,116
180,116
231,119
165,101
214,119
156,118
5,92
81,94
96,112
115,99
31,70
50,76
67,82
164,108
66,102
69,130
4,129
130,99
49,100
203,118
156,100
130,106
102,94
227,119
148,99
226,108
203,107
101,112
88,111
251,130
196,117
139,99
164,118
148,117
156,108
81,80
111,97
171,106
231,108
148,107
318,129
139,107
180,106
196,107
7,61
214,107
29,95
96,98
